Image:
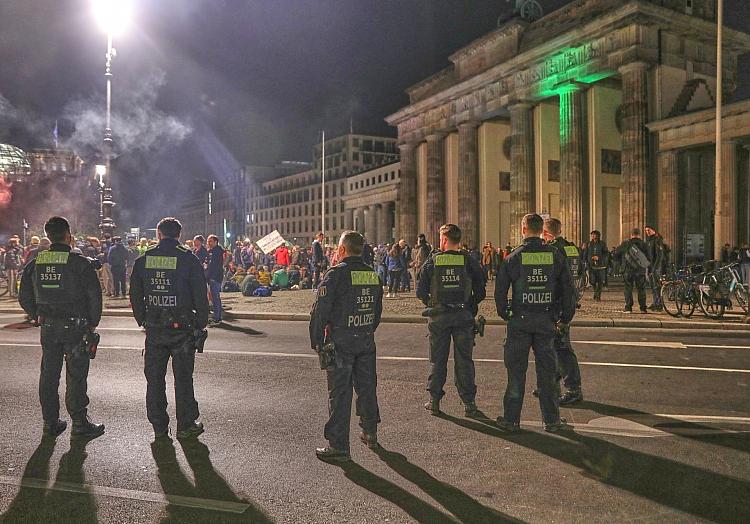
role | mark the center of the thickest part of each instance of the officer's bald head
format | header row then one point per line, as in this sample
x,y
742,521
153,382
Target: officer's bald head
x,y
532,225
352,242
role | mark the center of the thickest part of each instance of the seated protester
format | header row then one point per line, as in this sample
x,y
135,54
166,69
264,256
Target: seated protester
x,y
239,275
264,277
249,284
280,279
305,278
294,276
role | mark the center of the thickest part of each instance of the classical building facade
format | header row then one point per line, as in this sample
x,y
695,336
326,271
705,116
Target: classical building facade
x,y
370,203
564,115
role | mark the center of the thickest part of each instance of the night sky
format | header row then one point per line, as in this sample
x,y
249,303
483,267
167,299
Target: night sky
x,y
202,86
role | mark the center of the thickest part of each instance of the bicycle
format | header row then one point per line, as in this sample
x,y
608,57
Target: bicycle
x,y
737,290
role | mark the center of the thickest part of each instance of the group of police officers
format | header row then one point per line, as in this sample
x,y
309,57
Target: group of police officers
x,y
61,291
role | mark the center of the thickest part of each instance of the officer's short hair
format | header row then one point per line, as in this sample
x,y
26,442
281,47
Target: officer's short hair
x,y
353,242
553,226
452,232
169,227
636,232
533,223
56,228
596,232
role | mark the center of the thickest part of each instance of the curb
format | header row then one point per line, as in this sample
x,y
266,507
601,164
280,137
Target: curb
x,y
674,326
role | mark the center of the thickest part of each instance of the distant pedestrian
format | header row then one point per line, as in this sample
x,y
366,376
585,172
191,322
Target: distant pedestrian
x,y
118,261
214,276
632,256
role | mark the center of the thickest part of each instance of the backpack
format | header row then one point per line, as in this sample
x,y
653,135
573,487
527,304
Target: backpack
x,y
263,291
230,286
635,258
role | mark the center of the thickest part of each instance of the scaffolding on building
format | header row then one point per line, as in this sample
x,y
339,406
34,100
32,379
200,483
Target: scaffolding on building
x,y
15,165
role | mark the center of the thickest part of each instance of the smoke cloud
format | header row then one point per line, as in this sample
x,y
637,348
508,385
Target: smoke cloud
x,y
137,125
5,193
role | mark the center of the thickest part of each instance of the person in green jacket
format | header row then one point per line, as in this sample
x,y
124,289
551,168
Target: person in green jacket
x,y
280,279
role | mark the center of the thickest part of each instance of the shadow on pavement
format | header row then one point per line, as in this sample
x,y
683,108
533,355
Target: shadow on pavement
x,y
209,485
67,501
244,330
463,506
686,488
415,507
681,428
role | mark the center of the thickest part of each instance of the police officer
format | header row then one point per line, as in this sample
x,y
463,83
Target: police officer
x,y
61,289
543,295
168,295
597,258
347,310
567,362
451,285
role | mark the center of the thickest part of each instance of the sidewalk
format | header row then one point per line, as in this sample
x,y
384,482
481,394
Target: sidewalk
x,y
296,305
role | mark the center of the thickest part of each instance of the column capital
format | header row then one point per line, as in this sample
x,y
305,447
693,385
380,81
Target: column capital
x,y
634,66
520,105
729,141
434,137
411,144
469,124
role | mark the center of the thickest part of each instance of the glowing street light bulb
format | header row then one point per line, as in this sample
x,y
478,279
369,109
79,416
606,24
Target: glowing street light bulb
x,y
101,170
112,15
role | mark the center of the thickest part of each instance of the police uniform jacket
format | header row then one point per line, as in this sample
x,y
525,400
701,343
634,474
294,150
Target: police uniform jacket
x,y
571,252
541,279
349,300
168,287
451,278
62,285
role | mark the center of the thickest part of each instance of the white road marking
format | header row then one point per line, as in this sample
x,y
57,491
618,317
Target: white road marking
x,y
144,496
666,345
424,359
706,418
716,347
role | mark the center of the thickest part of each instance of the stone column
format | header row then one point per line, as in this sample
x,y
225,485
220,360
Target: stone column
x,y
384,227
406,206
435,187
668,198
359,219
521,167
634,145
468,183
371,224
348,218
725,217
571,163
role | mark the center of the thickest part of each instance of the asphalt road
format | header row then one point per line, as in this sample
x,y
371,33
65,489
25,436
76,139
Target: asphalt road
x,y
663,436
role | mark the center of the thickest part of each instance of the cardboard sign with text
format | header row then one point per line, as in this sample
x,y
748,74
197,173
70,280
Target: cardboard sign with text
x,y
271,241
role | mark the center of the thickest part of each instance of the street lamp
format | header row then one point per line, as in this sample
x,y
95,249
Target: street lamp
x,y
112,16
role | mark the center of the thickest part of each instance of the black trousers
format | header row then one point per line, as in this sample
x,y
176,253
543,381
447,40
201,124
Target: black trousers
x,y
597,279
355,369
457,326
567,362
161,344
118,278
60,341
655,281
535,331
637,280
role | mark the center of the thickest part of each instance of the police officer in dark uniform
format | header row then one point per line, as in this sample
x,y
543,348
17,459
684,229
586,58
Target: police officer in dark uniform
x,y
567,362
543,296
346,312
451,285
168,295
61,289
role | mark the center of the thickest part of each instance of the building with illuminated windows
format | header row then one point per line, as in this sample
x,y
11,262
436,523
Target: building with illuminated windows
x,y
599,113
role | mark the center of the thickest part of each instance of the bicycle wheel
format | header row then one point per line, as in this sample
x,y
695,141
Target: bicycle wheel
x,y
670,294
741,298
687,300
710,308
